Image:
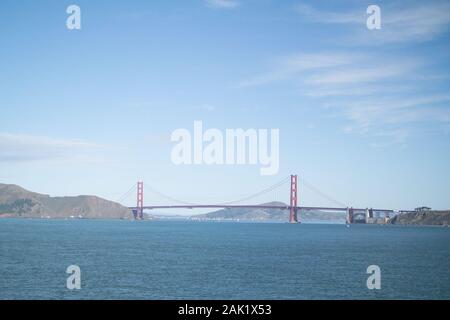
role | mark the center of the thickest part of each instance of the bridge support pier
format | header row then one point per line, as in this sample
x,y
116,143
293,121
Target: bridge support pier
x,y
349,215
293,200
386,217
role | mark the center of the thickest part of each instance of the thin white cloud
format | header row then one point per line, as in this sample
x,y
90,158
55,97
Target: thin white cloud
x,y
355,89
395,118
222,4
401,22
313,15
388,98
375,94
21,147
359,75
331,69
391,137
293,65
416,22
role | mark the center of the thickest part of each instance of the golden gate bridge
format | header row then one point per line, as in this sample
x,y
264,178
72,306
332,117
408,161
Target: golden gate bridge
x,y
352,214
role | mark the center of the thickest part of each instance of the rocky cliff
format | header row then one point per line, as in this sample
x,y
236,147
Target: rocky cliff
x,y
423,218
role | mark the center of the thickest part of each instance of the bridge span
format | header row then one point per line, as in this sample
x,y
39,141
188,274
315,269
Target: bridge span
x,y
251,206
365,213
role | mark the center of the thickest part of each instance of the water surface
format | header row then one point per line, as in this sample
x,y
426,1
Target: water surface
x,y
210,260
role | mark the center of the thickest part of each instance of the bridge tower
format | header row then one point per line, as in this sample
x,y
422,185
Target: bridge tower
x,y
293,200
140,201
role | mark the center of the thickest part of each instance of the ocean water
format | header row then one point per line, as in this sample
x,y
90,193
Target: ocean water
x,y
211,260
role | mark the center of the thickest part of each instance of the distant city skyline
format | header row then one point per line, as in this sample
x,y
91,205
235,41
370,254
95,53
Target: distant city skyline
x,y
363,115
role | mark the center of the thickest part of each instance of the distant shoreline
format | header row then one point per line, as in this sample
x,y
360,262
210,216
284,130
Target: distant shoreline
x,y
307,222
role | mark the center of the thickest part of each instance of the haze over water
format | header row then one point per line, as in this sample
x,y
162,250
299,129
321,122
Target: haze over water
x,y
207,260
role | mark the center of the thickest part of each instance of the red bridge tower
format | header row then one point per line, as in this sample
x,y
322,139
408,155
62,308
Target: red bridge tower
x,y
139,214
293,205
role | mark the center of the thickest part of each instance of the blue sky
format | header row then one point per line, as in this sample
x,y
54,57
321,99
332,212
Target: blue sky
x,y
363,114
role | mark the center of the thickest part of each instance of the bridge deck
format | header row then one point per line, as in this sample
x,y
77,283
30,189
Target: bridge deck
x,y
230,206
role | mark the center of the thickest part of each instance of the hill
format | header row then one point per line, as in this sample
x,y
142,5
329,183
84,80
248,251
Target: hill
x,y
432,217
266,214
18,202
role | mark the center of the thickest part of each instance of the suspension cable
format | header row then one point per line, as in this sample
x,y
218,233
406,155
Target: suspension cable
x,y
126,194
166,196
264,191
324,195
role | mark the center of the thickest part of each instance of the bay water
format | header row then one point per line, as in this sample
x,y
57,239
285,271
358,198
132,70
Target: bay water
x,y
122,259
